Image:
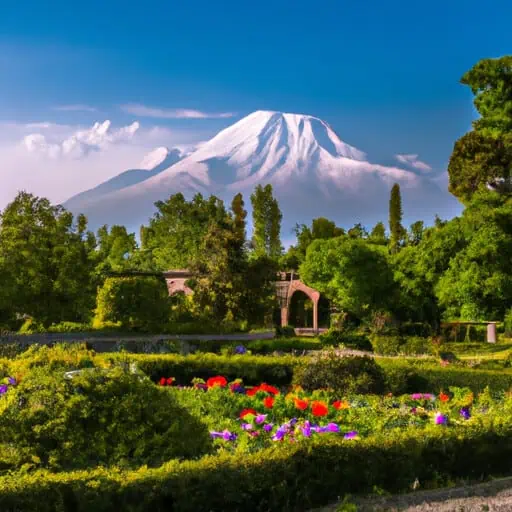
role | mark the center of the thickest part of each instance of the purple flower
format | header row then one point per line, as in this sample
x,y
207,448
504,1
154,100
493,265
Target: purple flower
x,y
280,433
240,349
260,418
268,427
247,426
332,427
306,429
11,381
226,435
238,389
350,435
416,396
441,419
3,389
292,422
464,412
413,410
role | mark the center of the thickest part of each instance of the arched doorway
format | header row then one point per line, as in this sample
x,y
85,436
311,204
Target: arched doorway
x,y
300,312
324,312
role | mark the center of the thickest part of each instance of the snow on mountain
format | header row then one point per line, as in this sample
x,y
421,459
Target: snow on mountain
x,y
154,158
312,171
154,162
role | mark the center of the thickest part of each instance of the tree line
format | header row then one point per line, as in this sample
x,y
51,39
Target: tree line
x,y
53,269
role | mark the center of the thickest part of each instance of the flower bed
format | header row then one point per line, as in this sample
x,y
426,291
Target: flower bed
x,y
248,418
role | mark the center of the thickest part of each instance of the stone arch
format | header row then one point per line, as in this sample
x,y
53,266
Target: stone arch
x,y
314,295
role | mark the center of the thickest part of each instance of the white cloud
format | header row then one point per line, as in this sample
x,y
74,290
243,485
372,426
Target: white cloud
x,y
167,113
81,142
413,161
34,158
76,108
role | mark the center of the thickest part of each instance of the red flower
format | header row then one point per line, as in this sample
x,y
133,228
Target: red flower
x,y
269,389
162,381
253,391
340,404
444,397
216,381
268,402
301,404
170,380
246,412
319,408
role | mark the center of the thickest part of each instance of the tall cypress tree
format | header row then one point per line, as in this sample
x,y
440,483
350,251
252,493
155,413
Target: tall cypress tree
x,y
395,218
267,216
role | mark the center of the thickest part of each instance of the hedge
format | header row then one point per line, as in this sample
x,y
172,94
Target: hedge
x,y
252,369
286,477
401,375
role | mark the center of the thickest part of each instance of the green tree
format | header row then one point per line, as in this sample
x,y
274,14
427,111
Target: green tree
x,y
378,234
416,232
483,158
357,231
267,216
175,232
395,219
354,274
479,162
490,81
239,229
47,260
135,303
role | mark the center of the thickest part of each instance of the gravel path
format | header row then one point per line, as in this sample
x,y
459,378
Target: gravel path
x,y
495,495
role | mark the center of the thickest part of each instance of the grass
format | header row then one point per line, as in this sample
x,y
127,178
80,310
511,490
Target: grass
x,y
499,350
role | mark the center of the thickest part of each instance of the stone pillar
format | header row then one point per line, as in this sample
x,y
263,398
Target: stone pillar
x,y
315,315
284,316
491,332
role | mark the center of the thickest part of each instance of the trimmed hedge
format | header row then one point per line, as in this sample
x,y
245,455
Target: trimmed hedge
x,y
401,376
287,477
252,369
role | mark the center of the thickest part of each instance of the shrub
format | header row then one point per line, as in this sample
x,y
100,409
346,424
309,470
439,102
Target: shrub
x,y
353,340
416,345
285,332
349,374
31,326
386,345
69,327
310,475
137,303
97,417
508,324
252,369
420,329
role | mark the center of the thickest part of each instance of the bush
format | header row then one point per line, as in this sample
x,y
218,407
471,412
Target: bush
x,y
353,340
348,374
97,417
386,345
252,369
135,303
69,327
31,326
464,333
285,332
310,475
420,329
508,324
416,345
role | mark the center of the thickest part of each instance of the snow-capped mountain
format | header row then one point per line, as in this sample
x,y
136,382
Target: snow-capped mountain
x,y
154,162
312,171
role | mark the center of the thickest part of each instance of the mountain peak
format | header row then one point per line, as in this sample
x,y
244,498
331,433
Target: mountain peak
x,y
154,158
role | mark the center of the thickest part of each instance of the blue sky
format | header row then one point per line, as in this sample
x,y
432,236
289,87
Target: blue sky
x,y
384,74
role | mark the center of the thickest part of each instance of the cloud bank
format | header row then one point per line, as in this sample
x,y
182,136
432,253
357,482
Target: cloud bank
x,y
166,113
81,142
413,161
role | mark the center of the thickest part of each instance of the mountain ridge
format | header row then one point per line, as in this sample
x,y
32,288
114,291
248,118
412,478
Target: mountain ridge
x,y
313,172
